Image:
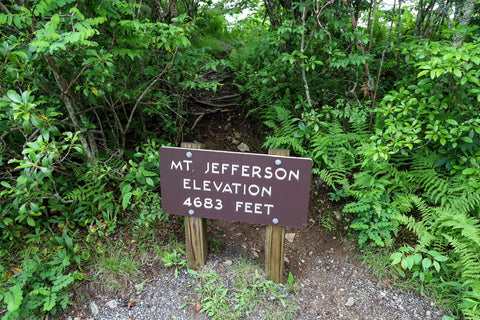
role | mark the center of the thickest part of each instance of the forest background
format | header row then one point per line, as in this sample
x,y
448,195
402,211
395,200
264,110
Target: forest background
x,y
384,99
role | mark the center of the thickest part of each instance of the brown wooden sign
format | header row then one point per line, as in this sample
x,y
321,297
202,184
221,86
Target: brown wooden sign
x,y
260,189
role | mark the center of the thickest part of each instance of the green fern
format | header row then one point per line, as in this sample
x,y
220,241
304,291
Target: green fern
x,y
452,226
284,127
86,192
331,177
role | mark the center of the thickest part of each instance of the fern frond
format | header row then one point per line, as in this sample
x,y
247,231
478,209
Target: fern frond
x,y
331,177
284,126
356,207
460,223
283,142
466,201
86,192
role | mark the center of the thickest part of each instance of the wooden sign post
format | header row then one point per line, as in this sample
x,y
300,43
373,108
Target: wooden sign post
x,y
195,231
271,189
275,241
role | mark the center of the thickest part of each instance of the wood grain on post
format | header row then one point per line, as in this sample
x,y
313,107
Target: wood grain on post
x,y
195,231
275,241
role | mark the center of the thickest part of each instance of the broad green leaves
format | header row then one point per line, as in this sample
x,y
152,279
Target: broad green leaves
x,y
437,109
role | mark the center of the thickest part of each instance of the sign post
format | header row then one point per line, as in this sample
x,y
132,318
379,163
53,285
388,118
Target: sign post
x,y
271,189
275,241
195,231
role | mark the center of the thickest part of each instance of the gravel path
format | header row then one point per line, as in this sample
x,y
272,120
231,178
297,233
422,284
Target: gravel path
x,y
329,283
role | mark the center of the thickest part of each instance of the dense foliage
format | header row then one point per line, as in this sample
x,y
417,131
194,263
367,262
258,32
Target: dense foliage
x,y
384,99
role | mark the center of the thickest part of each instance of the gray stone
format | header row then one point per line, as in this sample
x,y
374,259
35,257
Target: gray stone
x,y
290,237
243,147
350,302
94,308
112,304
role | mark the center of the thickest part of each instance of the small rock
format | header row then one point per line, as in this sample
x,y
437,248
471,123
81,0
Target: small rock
x,y
112,304
350,302
254,253
286,260
235,141
94,308
228,262
428,313
290,237
310,253
243,147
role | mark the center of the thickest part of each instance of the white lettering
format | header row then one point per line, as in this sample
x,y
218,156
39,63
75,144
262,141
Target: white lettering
x,y
268,173
195,186
296,175
236,186
256,172
214,167
267,190
238,205
206,185
224,167
280,177
217,187
245,169
268,206
227,188
178,165
252,207
254,190
208,167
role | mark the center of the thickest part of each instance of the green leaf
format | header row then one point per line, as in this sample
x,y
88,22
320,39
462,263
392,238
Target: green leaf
x,y
396,257
426,263
126,199
467,139
452,122
290,278
13,96
150,182
50,302
21,54
13,298
126,188
147,173
417,258
468,303
475,59
422,73
41,291
468,171
6,184
31,221
54,22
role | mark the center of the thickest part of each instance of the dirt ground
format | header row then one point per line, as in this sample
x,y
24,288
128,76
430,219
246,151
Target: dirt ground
x,y
331,280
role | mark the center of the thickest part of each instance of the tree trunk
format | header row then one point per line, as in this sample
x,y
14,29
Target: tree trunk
x,y
464,15
172,11
87,140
